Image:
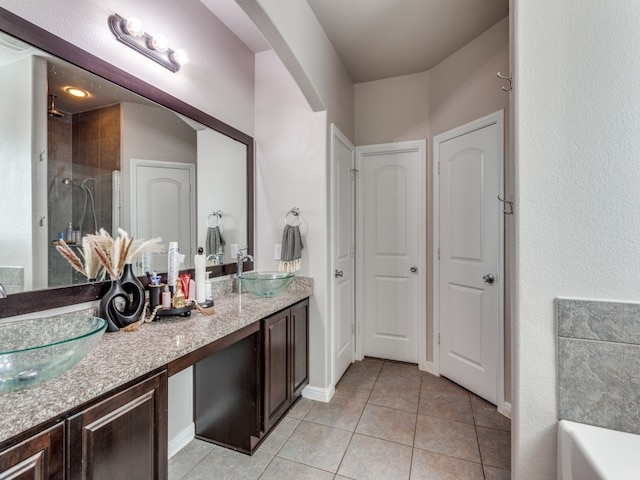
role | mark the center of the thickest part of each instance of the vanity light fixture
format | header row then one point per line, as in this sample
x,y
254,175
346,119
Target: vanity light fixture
x,y
131,32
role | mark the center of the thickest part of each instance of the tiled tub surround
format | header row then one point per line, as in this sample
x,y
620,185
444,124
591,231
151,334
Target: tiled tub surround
x,y
122,357
599,363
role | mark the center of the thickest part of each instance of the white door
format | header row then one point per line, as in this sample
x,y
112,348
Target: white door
x,y
163,205
392,241
471,282
342,164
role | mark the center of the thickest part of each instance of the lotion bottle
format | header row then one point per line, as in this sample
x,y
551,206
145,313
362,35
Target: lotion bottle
x,y
166,298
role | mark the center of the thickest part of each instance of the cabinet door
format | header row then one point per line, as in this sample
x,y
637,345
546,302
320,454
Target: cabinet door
x,y
123,437
299,347
39,457
277,389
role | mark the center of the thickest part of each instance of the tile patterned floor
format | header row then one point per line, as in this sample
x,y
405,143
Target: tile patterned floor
x,y
387,421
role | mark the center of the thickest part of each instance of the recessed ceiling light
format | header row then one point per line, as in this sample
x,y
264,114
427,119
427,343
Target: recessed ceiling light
x,y
76,92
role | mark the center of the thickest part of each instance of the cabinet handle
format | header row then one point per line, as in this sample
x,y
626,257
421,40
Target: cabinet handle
x,y
338,273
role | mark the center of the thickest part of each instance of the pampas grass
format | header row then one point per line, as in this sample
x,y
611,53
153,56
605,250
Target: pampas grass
x,y
91,267
101,250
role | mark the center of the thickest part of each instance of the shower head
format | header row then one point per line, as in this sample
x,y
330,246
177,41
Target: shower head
x,y
52,111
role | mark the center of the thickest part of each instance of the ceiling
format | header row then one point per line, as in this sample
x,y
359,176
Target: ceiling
x,y
379,39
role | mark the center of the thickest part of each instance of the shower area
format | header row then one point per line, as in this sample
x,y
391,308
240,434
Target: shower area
x,y
83,180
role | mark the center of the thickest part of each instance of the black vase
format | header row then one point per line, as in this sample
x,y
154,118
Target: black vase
x,y
122,305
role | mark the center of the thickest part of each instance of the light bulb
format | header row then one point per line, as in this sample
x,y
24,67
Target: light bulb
x,y
180,57
134,27
159,43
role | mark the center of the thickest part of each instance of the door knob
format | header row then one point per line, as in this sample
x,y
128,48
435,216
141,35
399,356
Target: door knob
x,y
338,273
489,278
414,269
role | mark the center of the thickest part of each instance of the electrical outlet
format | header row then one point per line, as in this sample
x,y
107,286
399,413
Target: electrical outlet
x,y
277,253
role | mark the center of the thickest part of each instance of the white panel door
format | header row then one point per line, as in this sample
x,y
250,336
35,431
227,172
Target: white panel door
x,y
392,209
470,276
342,156
163,205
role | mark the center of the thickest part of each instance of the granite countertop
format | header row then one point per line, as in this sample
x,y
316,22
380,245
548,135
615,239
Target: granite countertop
x,y
124,356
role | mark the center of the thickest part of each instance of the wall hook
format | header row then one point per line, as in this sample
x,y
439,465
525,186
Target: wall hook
x,y
509,79
506,203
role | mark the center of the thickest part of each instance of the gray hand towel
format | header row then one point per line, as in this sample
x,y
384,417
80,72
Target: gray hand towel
x,y
214,240
291,252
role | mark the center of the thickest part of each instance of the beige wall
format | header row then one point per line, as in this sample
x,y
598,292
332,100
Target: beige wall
x,y
392,110
296,36
460,89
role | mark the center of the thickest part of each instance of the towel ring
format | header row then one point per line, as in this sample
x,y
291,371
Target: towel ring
x,y
217,218
293,217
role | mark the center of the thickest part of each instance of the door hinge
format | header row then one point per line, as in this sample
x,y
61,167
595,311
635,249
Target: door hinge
x,y
438,168
353,329
353,252
352,176
438,339
438,253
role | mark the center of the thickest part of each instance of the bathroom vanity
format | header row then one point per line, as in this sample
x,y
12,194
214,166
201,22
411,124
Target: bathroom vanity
x,y
107,417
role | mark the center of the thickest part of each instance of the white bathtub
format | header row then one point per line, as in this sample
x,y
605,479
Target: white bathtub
x,y
586,452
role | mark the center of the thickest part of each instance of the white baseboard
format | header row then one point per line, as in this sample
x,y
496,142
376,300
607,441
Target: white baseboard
x,y
429,367
181,440
505,409
319,394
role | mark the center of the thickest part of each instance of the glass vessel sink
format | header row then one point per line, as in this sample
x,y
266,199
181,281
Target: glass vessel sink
x,y
266,284
34,351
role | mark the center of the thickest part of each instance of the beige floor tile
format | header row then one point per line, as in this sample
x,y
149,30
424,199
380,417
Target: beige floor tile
x,y
447,437
453,405
388,424
396,392
370,458
339,413
279,435
407,371
301,408
316,445
487,415
492,473
230,465
440,384
183,461
358,389
428,465
282,469
495,447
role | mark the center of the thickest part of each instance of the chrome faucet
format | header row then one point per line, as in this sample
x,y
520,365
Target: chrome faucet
x,y
3,291
240,259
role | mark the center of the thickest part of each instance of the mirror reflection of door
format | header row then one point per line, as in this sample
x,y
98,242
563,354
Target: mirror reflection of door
x,y
163,205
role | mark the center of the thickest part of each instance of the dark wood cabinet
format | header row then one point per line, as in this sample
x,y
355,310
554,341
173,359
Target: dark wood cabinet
x,y
286,354
40,457
299,347
123,436
243,390
277,367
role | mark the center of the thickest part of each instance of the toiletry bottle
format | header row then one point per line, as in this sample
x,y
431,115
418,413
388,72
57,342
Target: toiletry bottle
x,y
178,297
200,264
208,290
174,265
166,298
69,237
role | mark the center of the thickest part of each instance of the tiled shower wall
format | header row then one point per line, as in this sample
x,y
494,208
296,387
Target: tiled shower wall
x,y
83,146
599,363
